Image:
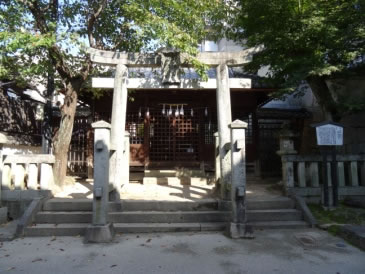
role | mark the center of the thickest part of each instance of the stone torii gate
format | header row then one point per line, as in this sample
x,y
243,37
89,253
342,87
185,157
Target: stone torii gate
x,y
170,62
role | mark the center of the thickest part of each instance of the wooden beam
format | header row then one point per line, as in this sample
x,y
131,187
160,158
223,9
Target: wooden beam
x,y
141,83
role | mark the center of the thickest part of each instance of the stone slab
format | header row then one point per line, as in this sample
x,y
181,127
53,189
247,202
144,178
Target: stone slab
x,y
354,234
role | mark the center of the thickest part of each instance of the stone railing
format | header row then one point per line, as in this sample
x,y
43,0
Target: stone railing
x,y
23,172
302,175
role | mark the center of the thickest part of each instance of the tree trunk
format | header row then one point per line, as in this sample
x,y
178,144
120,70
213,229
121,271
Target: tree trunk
x,y
324,97
62,138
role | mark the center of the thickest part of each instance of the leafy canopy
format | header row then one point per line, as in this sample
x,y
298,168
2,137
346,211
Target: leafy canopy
x,y
31,30
302,38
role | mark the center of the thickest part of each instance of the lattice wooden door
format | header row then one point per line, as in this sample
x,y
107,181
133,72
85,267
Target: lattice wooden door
x,y
174,138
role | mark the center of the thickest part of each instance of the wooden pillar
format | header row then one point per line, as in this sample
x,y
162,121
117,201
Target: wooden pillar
x,y
314,174
256,142
341,174
301,174
354,179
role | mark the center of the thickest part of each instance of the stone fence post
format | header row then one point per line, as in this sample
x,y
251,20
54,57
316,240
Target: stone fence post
x,y
217,159
3,140
3,210
238,227
1,169
100,231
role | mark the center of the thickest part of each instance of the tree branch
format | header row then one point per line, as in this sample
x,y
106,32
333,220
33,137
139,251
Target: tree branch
x,y
41,23
91,23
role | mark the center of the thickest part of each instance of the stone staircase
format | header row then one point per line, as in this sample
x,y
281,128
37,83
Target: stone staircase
x,y
70,217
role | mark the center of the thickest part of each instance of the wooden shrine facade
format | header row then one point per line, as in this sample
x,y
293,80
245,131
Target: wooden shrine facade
x,y
170,128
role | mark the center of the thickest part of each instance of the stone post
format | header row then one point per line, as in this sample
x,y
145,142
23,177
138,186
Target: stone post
x,y
119,110
3,140
3,210
286,139
217,158
125,177
1,169
100,231
238,228
224,119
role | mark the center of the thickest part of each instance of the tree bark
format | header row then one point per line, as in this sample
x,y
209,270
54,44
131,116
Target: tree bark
x,y
324,97
62,138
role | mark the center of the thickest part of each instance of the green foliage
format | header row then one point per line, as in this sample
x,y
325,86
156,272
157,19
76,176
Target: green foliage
x,y
31,30
302,38
341,215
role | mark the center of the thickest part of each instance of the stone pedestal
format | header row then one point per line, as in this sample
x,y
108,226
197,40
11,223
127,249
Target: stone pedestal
x,y
100,233
240,230
238,227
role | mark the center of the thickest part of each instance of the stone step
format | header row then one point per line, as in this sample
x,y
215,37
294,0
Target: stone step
x,y
168,227
59,217
64,204
59,204
177,181
75,229
278,225
63,217
183,172
44,230
169,217
200,205
273,203
273,215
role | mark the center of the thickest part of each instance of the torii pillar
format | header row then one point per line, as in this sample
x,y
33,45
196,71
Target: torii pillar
x,y
119,111
224,119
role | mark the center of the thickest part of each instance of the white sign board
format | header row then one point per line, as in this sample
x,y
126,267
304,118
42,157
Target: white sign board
x,y
329,135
